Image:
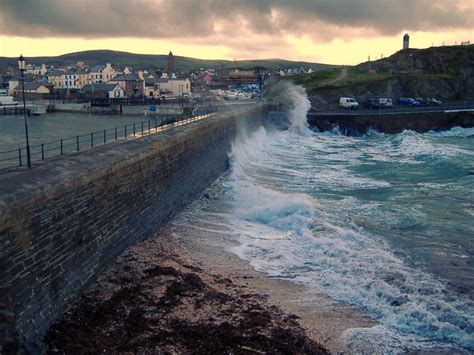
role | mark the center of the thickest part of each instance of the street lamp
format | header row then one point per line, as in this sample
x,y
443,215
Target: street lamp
x,y
21,66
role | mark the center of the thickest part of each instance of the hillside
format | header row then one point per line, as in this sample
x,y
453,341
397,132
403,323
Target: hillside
x,y
145,61
443,72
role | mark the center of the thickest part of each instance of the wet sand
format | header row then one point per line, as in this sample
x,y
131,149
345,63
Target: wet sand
x,y
323,319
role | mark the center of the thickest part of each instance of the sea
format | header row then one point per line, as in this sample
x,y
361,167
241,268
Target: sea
x,y
381,222
50,128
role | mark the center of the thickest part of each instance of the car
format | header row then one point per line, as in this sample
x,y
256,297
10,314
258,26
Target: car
x,y
433,101
387,103
349,103
373,102
422,101
408,101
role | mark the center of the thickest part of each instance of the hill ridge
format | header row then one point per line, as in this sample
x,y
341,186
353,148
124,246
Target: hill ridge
x,y
156,61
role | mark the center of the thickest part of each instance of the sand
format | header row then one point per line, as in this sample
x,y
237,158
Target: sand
x,y
183,291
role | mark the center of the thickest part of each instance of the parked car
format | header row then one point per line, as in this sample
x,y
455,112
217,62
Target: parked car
x,y
408,101
422,101
387,103
349,103
373,102
433,101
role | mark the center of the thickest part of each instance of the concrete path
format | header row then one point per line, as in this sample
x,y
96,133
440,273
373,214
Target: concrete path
x,y
342,75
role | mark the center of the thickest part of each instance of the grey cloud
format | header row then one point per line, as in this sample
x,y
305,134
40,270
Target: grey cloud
x,y
191,19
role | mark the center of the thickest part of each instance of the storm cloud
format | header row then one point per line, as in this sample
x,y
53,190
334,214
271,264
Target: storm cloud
x,y
207,20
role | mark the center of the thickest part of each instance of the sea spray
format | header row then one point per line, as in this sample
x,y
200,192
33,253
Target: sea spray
x,y
363,219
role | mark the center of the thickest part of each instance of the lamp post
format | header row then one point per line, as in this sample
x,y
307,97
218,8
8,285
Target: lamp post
x,y
21,66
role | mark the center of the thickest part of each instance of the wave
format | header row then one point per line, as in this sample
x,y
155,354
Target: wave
x,y
286,232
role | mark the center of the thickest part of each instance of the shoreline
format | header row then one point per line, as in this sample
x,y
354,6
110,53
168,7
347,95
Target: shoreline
x,y
159,282
323,319
154,298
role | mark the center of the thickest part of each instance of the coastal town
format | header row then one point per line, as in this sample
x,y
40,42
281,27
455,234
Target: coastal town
x,y
109,82
236,177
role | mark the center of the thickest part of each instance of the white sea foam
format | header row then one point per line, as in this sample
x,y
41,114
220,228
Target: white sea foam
x,y
285,232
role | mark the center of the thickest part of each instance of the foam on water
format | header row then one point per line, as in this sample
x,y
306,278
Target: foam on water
x,y
286,230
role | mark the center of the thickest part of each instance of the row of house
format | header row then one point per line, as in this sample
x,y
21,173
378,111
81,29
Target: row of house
x,y
102,81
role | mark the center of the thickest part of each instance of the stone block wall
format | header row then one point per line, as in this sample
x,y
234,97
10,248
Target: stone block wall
x,y
64,221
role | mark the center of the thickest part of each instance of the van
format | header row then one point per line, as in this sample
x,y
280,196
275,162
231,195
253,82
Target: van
x,y
7,100
349,103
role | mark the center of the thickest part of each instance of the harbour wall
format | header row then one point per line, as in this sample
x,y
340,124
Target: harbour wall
x,y
65,220
386,122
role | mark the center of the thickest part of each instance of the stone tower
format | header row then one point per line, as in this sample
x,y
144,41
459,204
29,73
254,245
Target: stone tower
x,y
406,41
170,64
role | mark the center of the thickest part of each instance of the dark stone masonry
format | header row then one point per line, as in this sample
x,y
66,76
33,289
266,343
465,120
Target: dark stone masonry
x,y
63,222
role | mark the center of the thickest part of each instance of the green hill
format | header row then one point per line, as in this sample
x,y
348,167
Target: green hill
x,y
152,61
443,72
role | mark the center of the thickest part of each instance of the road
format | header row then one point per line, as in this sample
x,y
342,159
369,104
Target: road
x,y
396,109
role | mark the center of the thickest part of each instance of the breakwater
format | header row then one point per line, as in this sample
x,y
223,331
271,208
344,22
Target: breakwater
x,y
64,221
355,123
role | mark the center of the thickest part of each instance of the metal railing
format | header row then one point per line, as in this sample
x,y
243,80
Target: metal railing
x,y
17,157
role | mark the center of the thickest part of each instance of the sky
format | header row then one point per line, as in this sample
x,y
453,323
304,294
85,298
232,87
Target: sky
x,y
323,31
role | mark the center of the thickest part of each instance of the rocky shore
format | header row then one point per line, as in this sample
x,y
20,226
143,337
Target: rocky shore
x,y
155,299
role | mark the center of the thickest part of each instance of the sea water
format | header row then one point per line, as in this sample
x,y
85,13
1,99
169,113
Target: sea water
x,y
381,222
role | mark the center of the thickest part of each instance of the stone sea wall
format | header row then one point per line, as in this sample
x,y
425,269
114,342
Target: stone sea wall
x,y
355,124
64,221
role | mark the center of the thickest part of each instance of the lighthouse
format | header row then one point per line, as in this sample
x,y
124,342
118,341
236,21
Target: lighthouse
x,y
406,41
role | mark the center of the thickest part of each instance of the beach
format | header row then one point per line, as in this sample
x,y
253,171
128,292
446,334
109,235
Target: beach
x,y
184,292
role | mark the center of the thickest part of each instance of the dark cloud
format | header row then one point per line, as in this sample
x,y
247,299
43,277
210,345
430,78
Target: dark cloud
x,y
320,19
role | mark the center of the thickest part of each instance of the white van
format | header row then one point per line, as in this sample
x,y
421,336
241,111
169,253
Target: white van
x,y
7,101
349,103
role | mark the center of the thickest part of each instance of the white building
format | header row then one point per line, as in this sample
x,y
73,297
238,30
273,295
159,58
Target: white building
x,y
70,80
177,87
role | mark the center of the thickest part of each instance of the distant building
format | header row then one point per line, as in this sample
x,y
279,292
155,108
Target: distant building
x,y
170,60
57,78
43,70
83,78
12,84
102,73
406,41
131,84
70,79
33,91
173,86
103,91
241,77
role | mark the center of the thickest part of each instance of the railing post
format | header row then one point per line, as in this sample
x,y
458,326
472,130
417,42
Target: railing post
x,y
19,156
125,132
134,130
61,144
149,127
156,125
92,139
142,128
42,151
105,136
77,143
115,133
